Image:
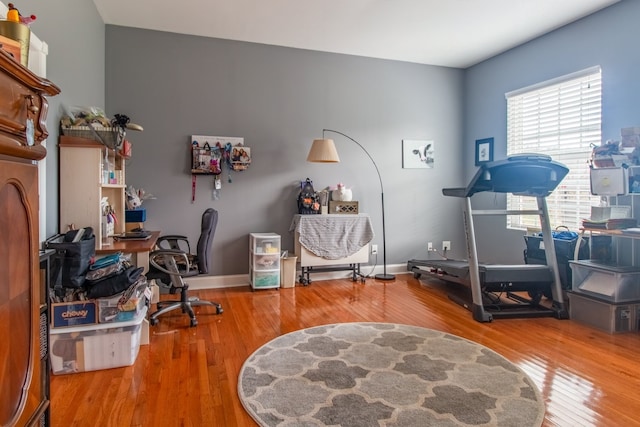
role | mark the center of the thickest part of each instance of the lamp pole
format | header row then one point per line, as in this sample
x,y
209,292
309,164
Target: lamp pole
x,y
384,275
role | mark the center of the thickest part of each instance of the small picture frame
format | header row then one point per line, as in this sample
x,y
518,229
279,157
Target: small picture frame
x,y
417,154
484,151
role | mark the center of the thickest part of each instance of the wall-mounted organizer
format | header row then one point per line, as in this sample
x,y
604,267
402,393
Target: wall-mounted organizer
x,y
211,155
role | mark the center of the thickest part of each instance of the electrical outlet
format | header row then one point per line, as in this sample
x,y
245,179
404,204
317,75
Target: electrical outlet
x,y
446,245
374,249
430,246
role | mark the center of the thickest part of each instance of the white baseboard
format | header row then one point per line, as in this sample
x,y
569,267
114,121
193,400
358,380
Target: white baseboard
x,y
237,280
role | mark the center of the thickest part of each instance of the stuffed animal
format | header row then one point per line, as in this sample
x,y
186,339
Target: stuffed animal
x,y
342,194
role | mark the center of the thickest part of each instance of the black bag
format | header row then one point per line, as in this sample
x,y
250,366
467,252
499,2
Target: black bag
x,y
71,260
308,199
113,285
565,245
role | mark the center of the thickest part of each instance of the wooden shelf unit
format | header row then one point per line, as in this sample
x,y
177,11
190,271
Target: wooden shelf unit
x,y
82,187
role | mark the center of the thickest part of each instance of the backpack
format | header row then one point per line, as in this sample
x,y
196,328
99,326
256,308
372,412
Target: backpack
x,y
308,202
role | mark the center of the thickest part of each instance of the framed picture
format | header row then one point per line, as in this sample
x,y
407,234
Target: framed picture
x,y
417,154
484,151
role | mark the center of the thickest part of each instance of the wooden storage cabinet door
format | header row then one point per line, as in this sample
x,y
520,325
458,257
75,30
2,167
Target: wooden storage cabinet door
x,y
24,384
20,366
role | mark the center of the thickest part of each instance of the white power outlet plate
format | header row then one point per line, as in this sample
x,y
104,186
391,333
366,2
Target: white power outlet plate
x,y
374,249
430,246
446,245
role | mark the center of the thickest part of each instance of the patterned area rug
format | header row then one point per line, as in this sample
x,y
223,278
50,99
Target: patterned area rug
x,y
370,374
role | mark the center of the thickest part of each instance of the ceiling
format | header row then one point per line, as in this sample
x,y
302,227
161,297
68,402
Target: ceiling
x,y
452,33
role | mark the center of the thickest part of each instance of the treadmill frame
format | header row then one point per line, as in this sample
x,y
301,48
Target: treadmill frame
x,y
480,314
483,182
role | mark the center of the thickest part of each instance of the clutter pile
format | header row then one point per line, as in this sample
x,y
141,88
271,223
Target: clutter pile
x,y
78,278
92,123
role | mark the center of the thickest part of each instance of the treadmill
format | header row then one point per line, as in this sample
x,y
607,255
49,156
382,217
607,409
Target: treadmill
x,y
497,290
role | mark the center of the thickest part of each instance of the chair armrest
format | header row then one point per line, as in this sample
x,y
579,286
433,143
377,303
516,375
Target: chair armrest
x,y
172,262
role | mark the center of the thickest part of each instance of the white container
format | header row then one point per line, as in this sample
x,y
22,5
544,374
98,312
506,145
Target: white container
x,y
95,347
610,283
613,318
288,272
264,260
109,311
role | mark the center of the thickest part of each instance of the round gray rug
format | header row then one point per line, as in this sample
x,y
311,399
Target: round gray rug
x,y
370,374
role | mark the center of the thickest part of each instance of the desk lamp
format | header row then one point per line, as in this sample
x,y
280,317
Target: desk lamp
x,y
324,151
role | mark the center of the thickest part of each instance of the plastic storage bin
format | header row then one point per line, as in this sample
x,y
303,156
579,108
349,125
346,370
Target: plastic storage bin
x,y
609,283
95,347
266,280
111,310
613,318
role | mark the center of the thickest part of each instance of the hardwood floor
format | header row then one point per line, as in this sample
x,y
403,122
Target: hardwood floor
x,y
188,376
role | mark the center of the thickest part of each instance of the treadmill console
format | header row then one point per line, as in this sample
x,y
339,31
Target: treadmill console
x,y
528,174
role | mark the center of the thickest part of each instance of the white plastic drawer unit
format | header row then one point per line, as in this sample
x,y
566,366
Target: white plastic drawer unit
x,y
264,260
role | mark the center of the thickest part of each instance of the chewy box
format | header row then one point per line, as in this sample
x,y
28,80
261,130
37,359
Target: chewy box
x,y
76,313
100,346
135,215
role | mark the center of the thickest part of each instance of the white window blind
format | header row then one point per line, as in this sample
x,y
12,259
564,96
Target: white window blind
x,y
560,118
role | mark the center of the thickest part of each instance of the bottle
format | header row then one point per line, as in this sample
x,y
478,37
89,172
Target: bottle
x,y
106,168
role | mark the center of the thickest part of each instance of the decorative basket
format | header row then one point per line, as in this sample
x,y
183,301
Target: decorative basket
x,y
339,207
111,137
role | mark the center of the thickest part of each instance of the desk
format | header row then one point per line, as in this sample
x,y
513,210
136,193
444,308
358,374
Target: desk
x,y
331,240
139,249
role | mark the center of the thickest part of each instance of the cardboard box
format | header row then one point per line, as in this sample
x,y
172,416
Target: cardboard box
x,y
95,347
76,313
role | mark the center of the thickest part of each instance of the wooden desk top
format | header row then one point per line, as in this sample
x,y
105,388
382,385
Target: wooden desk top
x,y
127,246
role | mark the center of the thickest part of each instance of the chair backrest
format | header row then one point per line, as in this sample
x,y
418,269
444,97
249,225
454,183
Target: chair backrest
x,y
207,231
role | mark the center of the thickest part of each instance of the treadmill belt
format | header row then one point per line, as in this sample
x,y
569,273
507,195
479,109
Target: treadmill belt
x,y
493,273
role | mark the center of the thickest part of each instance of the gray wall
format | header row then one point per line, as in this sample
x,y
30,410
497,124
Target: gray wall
x,y
74,32
279,100
607,38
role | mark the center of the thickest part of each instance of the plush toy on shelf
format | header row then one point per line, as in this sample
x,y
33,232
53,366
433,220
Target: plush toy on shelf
x,y
13,15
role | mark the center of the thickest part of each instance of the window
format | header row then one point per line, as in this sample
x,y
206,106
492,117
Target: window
x,y
561,118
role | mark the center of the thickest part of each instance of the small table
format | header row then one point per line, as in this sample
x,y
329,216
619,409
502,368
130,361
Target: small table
x,y
332,242
139,249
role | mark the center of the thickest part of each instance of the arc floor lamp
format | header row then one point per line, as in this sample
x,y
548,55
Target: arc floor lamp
x,y
324,151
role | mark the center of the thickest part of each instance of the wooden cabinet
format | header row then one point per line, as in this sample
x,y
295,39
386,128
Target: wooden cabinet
x,y
24,362
84,184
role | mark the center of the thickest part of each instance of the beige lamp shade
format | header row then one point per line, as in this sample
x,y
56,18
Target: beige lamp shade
x,y
323,151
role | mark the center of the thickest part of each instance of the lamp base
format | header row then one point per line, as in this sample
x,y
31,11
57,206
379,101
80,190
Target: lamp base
x,y
385,277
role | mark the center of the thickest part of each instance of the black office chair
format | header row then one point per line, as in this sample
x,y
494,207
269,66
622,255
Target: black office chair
x,y
173,262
